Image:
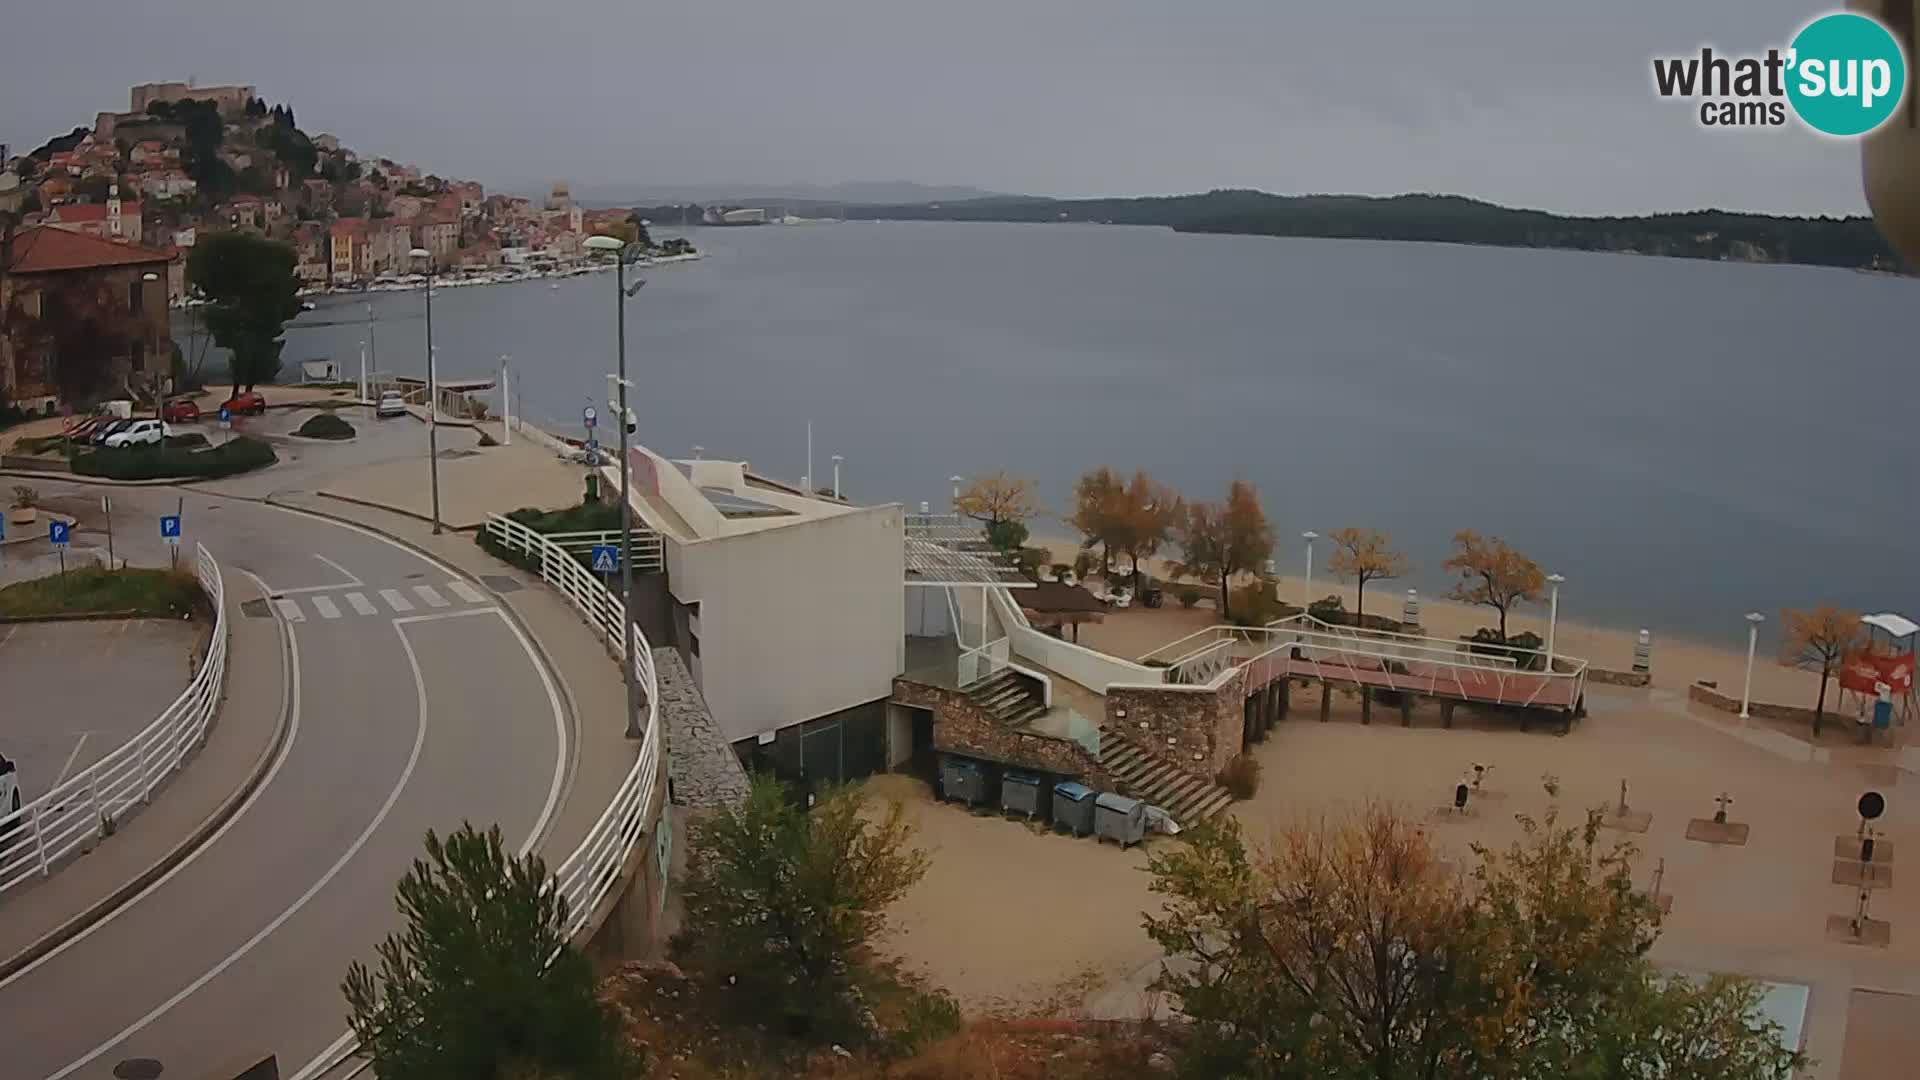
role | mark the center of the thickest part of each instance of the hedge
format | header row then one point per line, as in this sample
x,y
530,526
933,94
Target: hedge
x,y
173,463
325,425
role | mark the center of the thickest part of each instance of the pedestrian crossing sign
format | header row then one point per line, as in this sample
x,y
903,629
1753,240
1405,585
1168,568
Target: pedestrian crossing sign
x,y
606,558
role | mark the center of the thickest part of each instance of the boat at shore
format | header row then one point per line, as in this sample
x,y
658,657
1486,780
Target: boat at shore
x,y
503,276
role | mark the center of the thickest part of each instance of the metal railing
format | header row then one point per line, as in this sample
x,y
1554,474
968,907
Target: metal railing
x,y
86,807
649,551
590,873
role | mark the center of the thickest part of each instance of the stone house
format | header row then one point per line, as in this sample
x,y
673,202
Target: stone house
x,y
69,301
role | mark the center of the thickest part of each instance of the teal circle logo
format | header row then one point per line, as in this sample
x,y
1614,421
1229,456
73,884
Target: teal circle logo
x,y
1846,74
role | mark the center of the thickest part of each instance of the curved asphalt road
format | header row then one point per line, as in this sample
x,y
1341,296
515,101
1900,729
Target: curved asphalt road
x,y
404,720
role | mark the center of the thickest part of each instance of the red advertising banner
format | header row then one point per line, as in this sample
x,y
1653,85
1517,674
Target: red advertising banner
x,y
1864,672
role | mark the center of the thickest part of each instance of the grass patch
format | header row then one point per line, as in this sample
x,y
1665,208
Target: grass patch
x,y
325,425
586,517
175,463
94,588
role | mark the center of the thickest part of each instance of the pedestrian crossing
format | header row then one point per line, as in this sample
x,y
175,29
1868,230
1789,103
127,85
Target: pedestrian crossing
x,y
389,601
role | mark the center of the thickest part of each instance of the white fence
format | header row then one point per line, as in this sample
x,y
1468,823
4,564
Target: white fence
x,y
85,807
1094,670
649,553
589,874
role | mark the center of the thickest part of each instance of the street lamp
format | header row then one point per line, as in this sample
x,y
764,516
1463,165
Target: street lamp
x,y
1306,590
837,459
616,247
159,396
433,392
957,481
1754,619
1553,616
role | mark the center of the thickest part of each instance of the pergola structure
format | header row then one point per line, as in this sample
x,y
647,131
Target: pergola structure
x,y
949,552
1059,605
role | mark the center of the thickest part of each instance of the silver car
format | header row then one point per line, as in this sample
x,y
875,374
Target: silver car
x,y
391,404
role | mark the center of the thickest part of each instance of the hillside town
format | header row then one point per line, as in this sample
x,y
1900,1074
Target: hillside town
x,y
115,209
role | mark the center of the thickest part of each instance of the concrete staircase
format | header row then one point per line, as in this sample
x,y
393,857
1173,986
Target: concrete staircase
x,y
1010,697
1189,798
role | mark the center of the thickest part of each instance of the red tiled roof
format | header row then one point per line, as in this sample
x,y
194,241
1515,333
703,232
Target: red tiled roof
x,y
75,213
46,249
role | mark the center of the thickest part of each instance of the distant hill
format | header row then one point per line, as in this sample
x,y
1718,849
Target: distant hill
x,y
1700,234
865,192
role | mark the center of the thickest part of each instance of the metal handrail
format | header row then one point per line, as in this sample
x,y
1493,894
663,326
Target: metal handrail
x,y
82,809
649,551
589,874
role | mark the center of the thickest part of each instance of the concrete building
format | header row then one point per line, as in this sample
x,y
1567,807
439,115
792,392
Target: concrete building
x,y
232,100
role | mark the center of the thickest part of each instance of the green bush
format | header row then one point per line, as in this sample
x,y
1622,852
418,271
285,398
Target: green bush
x,y
1241,776
190,440
1254,605
1329,609
1487,642
93,588
325,425
175,463
1189,596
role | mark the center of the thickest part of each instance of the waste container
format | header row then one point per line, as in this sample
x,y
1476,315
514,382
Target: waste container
x,y
965,779
1073,807
1024,793
1119,819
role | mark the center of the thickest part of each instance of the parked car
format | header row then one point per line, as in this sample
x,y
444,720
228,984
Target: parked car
x,y
148,432
390,405
241,404
180,411
9,792
104,431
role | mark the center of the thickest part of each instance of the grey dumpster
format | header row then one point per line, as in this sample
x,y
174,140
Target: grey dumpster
x,y
1119,819
967,780
1024,793
1073,807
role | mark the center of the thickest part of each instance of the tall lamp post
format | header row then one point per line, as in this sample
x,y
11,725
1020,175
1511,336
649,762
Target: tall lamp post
x,y
1306,590
1553,616
433,393
616,247
159,392
1754,619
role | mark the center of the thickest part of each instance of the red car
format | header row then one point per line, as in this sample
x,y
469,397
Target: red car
x,y
180,411
241,404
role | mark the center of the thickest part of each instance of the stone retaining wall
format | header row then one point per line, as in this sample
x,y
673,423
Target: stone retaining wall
x,y
1619,678
1713,698
1198,731
960,726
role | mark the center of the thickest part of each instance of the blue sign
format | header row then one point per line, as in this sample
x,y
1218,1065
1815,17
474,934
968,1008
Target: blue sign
x,y
226,416
170,528
57,531
606,558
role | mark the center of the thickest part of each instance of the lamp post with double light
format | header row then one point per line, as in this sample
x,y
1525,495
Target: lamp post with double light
x,y
617,248
433,394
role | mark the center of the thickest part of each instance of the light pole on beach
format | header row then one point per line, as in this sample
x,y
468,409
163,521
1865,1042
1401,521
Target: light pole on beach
x,y
837,459
1553,616
433,391
957,481
1306,589
617,248
1754,619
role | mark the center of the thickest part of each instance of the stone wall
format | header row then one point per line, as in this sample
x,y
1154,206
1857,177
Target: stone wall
x,y
1708,696
705,771
1195,730
1619,678
961,727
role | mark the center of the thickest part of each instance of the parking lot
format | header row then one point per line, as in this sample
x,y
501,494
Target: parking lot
x,y
76,690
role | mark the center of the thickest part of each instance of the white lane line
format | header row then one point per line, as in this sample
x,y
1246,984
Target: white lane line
x,y
466,592
430,595
361,605
338,1050
292,705
71,758
344,572
413,759
395,600
325,606
10,632
290,610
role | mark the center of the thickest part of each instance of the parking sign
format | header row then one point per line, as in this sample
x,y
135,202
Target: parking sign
x,y
58,532
170,528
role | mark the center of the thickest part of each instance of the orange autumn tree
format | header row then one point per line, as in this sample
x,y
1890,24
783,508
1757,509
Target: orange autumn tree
x,y
1145,515
1096,515
1493,574
1220,540
1818,640
1364,555
1003,503
1348,950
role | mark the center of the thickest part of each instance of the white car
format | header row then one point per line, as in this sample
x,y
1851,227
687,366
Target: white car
x,y
148,432
390,405
9,793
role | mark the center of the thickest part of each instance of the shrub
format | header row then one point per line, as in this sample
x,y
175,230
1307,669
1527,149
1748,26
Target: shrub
x,y
191,439
1189,596
25,497
1329,609
1487,641
91,589
1241,776
1254,605
1030,560
1061,570
173,463
325,425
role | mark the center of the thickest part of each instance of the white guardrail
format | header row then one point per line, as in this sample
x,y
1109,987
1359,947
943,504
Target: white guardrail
x,y
83,809
589,874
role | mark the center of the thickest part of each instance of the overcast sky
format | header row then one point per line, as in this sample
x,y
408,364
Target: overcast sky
x,y
1535,104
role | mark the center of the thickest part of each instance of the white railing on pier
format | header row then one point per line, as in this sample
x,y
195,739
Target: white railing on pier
x,y
86,807
588,875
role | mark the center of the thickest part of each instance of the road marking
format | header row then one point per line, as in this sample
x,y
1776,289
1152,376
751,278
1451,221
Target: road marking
x,y
395,600
292,706
10,633
290,610
71,758
344,572
431,596
324,605
361,604
406,774
339,1049
466,592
